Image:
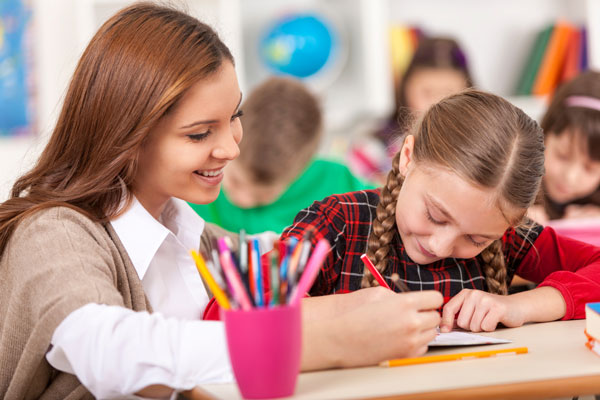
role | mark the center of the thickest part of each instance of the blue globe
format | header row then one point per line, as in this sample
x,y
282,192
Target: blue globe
x,y
299,45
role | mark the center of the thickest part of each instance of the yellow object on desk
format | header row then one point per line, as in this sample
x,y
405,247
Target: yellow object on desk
x,y
210,281
451,357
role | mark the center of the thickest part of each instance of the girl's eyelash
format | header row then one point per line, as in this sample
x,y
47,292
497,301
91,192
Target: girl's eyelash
x,y
477,244
430,218
196,137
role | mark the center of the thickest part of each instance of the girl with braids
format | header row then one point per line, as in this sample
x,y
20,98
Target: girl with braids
x,y
99,296
450,218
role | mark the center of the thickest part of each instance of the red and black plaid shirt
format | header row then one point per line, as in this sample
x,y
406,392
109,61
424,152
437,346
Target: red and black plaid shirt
x,y
345,221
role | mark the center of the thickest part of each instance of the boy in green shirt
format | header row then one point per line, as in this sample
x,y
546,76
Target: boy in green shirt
x,y
276,174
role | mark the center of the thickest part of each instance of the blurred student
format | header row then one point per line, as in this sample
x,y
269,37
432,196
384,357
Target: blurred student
x,y
438,68
277,173
571,185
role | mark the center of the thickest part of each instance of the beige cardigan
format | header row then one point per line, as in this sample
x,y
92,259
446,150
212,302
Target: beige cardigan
x,y
57,261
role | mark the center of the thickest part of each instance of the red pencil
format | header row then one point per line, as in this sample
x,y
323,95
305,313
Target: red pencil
x,y
374,271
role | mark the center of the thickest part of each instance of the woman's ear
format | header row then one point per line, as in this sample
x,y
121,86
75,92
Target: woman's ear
x,y
406,155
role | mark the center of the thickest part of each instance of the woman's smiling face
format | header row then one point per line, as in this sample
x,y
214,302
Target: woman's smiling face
x,y
186,152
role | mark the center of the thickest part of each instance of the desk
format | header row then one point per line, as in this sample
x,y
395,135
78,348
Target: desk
x,y
558,365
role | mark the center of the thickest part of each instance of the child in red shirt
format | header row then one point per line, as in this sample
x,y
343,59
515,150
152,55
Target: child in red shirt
x,y
451,217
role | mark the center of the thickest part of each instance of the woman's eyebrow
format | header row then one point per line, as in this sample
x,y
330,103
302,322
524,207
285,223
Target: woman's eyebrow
x,y
210,121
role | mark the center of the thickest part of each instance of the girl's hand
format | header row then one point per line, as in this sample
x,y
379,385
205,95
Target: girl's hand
x,y
477,311
582,211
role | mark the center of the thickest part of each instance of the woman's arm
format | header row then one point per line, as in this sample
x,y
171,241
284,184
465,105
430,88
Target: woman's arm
x,y
338,330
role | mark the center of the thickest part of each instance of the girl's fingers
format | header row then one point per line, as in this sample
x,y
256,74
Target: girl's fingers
x,y
463,319
490,321
450,310
478,316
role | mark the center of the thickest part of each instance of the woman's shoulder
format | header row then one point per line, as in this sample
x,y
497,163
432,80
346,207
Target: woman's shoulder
x,y
55,219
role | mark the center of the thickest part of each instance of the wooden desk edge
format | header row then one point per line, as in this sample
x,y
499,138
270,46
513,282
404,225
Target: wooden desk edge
x,y
543,389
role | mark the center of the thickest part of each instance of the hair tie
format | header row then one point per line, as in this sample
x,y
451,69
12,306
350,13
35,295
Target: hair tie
x,y
583,101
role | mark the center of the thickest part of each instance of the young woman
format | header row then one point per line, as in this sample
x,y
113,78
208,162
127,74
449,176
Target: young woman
x,y
98,296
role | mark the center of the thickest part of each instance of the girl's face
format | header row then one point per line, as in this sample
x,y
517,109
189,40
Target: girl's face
x,y
440,215
427,86
186,151
570,172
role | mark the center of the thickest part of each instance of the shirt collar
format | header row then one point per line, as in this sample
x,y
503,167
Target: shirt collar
x,y
142,235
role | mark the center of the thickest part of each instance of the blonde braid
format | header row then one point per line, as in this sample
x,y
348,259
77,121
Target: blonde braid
x,y
384,225
494,268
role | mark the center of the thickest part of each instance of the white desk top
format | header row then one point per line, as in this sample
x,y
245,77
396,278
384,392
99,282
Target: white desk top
x,y
558,364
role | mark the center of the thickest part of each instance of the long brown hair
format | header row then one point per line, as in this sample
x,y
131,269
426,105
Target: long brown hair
x,y
485,140
135,69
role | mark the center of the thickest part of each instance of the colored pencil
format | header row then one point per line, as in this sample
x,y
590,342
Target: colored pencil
x,y
210,281
401,286
374,271
233,277
311,271
258,276
451,357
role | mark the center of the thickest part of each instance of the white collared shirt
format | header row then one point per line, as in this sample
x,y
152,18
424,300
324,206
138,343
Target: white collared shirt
x,y
137,349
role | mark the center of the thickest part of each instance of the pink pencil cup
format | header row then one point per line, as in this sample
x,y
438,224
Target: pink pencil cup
x,y
264,348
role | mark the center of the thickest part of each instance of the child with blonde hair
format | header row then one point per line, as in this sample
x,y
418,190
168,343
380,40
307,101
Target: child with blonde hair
x,y
451,218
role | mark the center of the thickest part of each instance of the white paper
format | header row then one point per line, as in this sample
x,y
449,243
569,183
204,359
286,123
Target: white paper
x,y
457,338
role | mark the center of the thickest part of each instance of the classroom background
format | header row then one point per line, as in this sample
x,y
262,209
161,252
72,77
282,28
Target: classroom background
x,y
363,46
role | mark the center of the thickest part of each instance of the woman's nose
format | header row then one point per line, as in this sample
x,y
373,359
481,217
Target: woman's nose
x,y
228,148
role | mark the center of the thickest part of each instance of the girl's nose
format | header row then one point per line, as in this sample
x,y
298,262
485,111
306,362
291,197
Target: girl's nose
x,y
441,245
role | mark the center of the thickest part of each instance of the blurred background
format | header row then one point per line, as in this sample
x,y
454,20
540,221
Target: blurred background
x,y
351,53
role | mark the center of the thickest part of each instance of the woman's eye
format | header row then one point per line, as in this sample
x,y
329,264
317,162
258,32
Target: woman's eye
x,y
237,115
196,137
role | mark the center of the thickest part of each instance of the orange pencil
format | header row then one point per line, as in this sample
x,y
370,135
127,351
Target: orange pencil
x,y
451,357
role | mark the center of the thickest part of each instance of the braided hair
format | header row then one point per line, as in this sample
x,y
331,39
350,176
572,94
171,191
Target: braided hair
x,y
485,140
